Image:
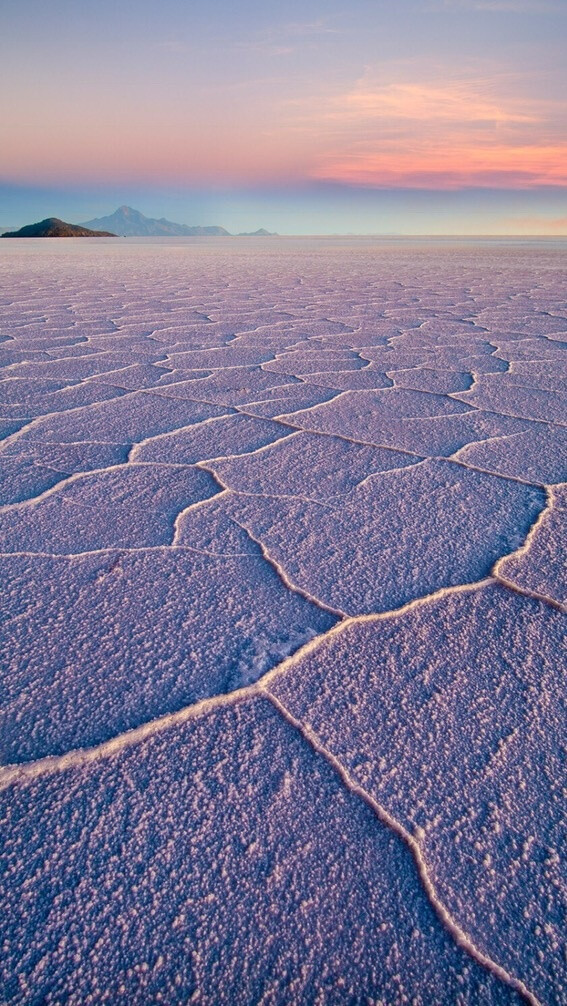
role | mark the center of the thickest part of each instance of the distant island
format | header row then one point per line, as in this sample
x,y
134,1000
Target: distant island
x,y
52,227
131,223
125,222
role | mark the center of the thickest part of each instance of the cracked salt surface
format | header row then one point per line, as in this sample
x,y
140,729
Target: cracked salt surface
x,y
282,547
396,536
129,506
234,434
221,861
100,644
306,465
355,415
538,454
467,686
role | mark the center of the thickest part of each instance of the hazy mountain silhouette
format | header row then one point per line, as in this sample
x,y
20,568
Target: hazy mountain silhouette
x,y
52,227
132,223
261,233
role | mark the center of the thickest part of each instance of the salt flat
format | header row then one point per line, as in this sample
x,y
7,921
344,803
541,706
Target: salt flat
x,y
282,535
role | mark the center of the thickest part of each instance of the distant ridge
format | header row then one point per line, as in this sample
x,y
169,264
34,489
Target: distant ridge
x,y
52,227
261,233
132,223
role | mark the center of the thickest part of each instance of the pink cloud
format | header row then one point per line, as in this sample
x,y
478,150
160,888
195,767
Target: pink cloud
x,y
498,166
440,131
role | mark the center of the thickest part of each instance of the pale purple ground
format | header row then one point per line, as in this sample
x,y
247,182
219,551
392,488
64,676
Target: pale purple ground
x,y
283,526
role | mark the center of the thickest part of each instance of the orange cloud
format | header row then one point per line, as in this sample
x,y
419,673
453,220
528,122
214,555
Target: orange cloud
x,y
415,101
436,133
451,168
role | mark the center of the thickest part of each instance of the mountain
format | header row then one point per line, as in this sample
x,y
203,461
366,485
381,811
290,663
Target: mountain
x,y
52,227
261,233
132,223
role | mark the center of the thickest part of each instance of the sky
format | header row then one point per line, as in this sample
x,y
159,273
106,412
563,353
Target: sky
x,y
413,116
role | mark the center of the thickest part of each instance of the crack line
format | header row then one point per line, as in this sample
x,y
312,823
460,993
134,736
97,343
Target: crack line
x,y
322,605
412,843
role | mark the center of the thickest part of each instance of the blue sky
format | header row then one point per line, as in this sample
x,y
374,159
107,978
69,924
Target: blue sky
x,y
300,117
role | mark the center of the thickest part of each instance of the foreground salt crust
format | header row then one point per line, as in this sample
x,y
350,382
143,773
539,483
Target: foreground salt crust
x,y
99,644
282,550
447,714
356,415
397,536
221,861
132,506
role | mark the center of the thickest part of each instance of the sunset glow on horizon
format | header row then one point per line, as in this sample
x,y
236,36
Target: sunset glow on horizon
x,y
442,96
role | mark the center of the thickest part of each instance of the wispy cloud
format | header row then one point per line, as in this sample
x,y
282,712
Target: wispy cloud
x,y
277,40
303,28
173,45
435,130
454,102
501,6
285,38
